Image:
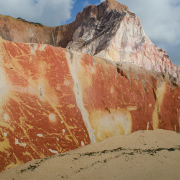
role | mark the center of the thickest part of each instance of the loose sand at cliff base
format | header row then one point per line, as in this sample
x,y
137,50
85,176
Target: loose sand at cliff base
x,y
140,155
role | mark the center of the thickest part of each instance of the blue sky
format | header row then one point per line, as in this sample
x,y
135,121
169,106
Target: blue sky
x,y
160,18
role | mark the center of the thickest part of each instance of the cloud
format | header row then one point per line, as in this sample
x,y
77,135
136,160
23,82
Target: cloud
x,y
47,12
160,20
173,51
86,3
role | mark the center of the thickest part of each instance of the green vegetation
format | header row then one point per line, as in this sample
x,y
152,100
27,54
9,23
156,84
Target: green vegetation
x,y
36,23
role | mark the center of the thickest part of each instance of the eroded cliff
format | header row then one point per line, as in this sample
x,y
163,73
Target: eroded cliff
x,y
109,30
54,100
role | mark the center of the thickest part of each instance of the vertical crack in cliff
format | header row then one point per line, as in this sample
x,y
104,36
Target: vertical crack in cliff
x,y
73,62
154,92
123,74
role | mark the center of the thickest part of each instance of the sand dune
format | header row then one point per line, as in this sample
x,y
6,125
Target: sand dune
x,y
140,155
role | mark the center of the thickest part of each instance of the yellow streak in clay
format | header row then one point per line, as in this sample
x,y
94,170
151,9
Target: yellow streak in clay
x,y
10,165
24,126
17,69
17,160
28,154
47,96
4,144
108,124
159,99
112,54
132,108
31,114
53,105
60,116
4,87
71,106
6,125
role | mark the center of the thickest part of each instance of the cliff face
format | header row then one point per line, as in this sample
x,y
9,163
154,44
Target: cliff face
x,y
117,35
19,30
108,30
54,100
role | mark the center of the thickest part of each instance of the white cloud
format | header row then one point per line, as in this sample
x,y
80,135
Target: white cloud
x,y
86,3
47,12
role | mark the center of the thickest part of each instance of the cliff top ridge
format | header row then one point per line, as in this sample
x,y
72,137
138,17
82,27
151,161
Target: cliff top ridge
x,y
101,9
112,4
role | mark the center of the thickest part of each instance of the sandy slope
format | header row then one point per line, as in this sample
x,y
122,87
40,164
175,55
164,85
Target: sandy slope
x,y
141,155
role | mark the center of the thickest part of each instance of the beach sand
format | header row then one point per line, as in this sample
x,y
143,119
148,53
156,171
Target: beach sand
x,y
140,155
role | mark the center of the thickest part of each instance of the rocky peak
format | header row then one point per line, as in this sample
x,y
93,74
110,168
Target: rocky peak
x,y
100,10
109,30
113,32
112,4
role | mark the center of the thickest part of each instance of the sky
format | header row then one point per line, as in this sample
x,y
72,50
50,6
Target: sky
x,y
160,18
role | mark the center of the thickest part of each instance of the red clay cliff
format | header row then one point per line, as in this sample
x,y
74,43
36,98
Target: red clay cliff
x,y
53,100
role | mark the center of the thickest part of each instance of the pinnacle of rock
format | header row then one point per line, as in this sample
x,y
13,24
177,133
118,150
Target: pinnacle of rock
x,y
112,4
108,30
